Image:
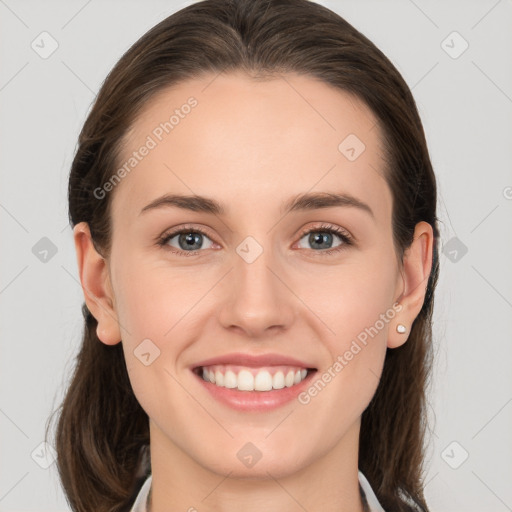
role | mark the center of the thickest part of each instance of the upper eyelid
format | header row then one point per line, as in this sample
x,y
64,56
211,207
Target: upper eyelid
x,y
326,227
172,232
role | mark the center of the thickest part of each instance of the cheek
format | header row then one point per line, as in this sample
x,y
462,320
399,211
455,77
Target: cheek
x,y
356,303
153,308
156,307
353,296
153,299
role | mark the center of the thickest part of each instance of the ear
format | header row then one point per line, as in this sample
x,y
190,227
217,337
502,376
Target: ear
x,y
95,279
417,263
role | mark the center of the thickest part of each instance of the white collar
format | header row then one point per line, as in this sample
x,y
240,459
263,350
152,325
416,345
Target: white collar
x,y
140,502
372,500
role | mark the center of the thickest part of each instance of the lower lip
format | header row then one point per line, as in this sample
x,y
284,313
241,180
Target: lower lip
x,y
258,401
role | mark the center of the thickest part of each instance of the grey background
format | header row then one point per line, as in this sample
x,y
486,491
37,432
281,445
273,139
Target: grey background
x,y
466,107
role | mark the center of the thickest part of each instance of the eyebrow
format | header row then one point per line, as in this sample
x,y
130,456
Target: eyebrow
x,y
301,202
193,203
317,200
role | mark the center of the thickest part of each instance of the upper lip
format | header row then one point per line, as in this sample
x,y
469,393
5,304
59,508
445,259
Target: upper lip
x,y
254,361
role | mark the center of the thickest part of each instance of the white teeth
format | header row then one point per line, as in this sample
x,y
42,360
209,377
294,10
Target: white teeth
x,y
219,378
263,381
246,380
230,380
278,380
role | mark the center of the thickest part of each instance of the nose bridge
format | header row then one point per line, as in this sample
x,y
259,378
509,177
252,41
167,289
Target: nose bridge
x,y
258,299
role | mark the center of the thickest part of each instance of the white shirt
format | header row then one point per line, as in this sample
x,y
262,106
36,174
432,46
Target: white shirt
x,y
140,502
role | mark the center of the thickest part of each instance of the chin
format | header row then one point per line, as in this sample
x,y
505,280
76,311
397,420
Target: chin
x,y
264,468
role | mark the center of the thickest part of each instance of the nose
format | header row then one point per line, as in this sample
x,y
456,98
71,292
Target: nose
x,y
258,298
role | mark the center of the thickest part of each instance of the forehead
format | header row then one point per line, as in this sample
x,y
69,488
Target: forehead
x,y
234,137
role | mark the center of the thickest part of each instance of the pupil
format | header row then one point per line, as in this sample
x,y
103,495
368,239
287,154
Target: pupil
x,y
190,238
318,238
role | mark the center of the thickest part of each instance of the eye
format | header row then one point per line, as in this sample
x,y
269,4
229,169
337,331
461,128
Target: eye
x,y
322,237
188,240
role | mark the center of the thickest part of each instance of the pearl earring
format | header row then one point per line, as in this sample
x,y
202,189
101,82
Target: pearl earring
x,y
401,328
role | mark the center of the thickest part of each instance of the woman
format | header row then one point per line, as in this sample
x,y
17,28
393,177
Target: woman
x,y
254,214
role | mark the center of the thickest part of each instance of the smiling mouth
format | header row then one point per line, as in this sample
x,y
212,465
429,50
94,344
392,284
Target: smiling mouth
x,y
245,378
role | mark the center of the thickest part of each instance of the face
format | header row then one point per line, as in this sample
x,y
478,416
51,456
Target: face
x,y
317,282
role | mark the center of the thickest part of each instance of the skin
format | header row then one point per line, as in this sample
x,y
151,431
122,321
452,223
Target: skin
x,y
251,145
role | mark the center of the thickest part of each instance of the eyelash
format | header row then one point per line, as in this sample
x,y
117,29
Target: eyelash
x,y
324,228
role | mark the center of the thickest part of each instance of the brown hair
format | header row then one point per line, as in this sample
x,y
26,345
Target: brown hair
x,y
102,437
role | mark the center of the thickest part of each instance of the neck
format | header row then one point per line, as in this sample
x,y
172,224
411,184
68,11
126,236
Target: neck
x,y
328,484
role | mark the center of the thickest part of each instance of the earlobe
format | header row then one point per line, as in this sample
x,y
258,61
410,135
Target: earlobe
x,y
417,264
96,286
